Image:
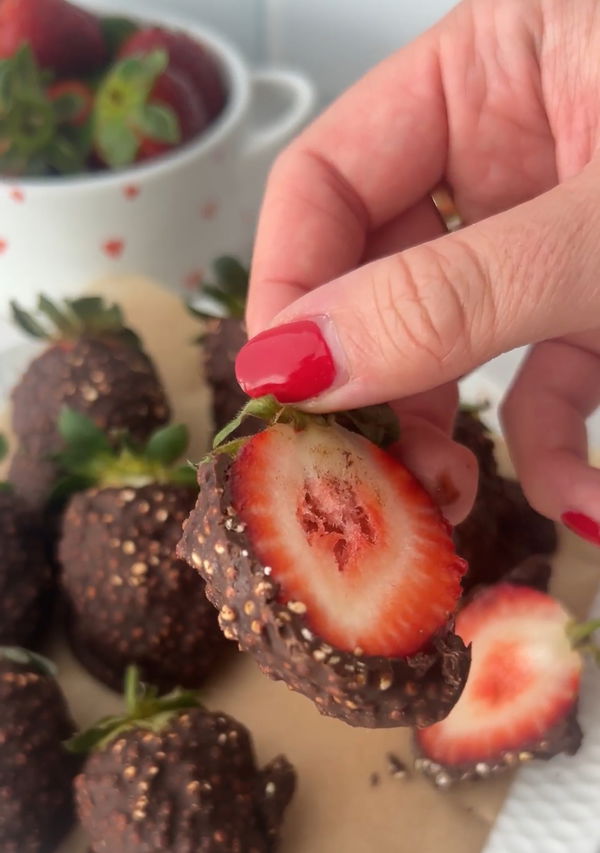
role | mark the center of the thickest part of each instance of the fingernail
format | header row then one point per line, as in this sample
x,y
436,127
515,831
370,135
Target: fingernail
x,y
582,525
293,362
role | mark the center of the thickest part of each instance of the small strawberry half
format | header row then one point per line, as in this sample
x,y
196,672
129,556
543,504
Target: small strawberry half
x,y
351,534
331,564
520,700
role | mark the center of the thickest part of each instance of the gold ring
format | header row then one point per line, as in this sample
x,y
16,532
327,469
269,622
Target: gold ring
x,y
446,208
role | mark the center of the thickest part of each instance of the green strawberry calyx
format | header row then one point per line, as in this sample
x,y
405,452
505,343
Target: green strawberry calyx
x,y
37,135
4,485
144,709
34,661
581,634
377,423
125,113
91,458
226,296
71,319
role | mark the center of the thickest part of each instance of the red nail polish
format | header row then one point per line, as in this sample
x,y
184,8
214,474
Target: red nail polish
x,y
292,362
582,525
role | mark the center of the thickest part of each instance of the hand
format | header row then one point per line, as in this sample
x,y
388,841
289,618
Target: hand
x,y
501,100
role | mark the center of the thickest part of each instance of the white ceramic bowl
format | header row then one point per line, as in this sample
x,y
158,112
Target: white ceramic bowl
x,y
166,219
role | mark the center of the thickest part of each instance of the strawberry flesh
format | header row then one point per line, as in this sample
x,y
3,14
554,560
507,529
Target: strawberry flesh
x,y
524,678
350,535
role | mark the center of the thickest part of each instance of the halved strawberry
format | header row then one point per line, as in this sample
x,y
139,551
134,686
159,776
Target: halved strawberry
x,y
351,534
331,565
521,694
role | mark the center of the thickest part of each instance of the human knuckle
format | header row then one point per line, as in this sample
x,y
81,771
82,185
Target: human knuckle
x,y
421,303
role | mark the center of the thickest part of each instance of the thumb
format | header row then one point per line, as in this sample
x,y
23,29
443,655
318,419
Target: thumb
x,y
423,317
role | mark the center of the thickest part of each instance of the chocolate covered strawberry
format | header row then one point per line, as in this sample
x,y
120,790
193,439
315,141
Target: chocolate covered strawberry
x,y
94,364
502,529
186,56
145,107
221,304
36,770
129,599
332,566
520,700
25,576
64,38
168,775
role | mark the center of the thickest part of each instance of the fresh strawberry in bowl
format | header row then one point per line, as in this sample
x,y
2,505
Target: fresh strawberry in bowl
x,y
135,161
64,38
185,55
520,700
143,108
331,565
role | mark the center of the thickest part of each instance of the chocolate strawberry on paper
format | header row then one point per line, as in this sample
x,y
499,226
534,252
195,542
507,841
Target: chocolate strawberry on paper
x,y
169,775
92,363
520,700
129,599
331,565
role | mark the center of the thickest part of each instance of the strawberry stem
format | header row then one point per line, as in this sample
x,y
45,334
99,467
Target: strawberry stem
x,y
376,423
4,485
144,708
580,634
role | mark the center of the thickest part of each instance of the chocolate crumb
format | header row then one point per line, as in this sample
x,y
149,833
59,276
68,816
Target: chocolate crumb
x,y
396,768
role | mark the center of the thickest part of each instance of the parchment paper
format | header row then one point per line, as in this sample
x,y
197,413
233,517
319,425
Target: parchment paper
x,y
347,801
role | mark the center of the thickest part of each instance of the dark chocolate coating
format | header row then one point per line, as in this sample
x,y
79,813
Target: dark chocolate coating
x,y
565,736
36,771
130,600
25,575
112,382
361,690
191,787
502,528
223,340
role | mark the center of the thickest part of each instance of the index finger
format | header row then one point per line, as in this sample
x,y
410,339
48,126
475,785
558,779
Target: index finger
x,y
374,153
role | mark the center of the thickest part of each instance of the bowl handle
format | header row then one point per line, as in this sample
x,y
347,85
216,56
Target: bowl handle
x,y
296,94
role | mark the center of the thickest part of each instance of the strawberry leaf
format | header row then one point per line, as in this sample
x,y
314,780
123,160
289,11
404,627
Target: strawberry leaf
x,y
27,323
54,314
140,73
117,143
159,123
84,742
232,277
86,307
68,106
167,444
377,423
37,662
81,433
144,709
120,110
265,408
3,447
67,486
